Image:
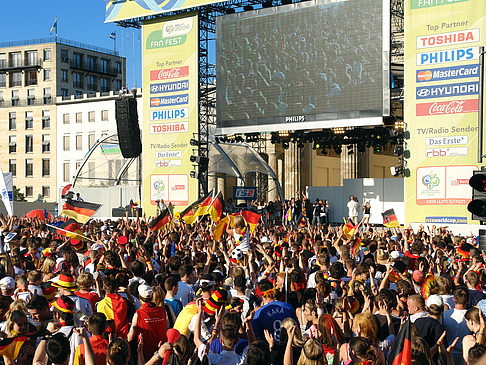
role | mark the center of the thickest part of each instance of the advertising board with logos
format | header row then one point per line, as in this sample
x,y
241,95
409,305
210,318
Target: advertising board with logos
x,y
441,105
170,118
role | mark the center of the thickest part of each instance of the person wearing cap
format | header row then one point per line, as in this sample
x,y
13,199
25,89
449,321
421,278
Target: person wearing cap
x,y
67,286
7,286
150,321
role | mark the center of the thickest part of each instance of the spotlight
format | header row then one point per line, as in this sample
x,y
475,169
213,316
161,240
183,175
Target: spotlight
x,y
396,170
201,160
338,130
398,150
399,124
193,174
283,133
316,146
377,149
194,142
285,145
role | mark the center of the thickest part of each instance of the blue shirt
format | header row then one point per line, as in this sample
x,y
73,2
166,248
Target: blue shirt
x,y
270,317
175,304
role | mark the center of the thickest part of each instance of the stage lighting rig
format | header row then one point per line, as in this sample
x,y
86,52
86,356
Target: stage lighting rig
x,y
339,130
282,134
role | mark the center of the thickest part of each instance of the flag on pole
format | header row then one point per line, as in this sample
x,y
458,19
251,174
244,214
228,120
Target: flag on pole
x,y
349,229
69,228
80,211
221,226
54,26
113,35
188,215
390,219
161,220
356,246
216,209
401,351
6,190
133,204
251,218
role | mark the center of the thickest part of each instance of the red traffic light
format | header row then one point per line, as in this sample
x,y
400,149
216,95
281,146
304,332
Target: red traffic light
x,y
478,182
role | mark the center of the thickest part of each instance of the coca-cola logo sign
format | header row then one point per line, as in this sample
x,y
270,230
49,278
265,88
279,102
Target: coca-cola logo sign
x,y
169,73
447,107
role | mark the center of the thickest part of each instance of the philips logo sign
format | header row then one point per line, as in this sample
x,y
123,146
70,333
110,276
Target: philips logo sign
x,y
448,55
295,119
447,73
169,87
181,113
441,91
169,100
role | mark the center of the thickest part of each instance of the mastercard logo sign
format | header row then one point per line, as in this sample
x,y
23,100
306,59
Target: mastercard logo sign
x,y
424,75
154,102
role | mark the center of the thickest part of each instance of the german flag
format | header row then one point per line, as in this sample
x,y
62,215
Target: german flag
x,y
203,208
251,218
69,228
349,229
216,208
80,211
390,219
357,244
162,219
133,204
188,215
114,307
10,347
401,351
221,226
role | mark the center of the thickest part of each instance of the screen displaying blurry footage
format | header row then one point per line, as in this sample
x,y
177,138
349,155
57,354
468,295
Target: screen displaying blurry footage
x,y
301,66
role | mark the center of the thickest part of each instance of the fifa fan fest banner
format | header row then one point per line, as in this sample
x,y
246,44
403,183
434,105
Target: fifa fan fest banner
x,y
116,10
170,115
442,40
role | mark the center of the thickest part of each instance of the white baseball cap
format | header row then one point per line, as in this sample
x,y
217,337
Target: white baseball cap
x,y
7,283
145,291
435,299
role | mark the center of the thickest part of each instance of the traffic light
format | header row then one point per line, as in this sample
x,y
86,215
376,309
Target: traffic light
x,y
477,206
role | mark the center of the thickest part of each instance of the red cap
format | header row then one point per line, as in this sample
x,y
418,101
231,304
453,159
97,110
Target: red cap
x,y
122,240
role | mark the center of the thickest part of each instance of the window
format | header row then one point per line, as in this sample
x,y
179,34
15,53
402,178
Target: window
x,y
46,119
65,118
12,144
29,144
78,94
64,93
91,82
91,116
91,139
105,65
12,166
31,58
29,120
64,55
104,115
92,63
1,97
3,60
29,167
29,191
65,171
16,79
30,96
3,80
15,59
77,60
46,191
79,142
46,167
64,75
118,84
12,121
79,117
47,95
118,67
91,170
46,143
15,97
77,79
47,74
47,54
66,141
104,84
30,78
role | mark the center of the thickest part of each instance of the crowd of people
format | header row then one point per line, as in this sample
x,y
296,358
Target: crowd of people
x,y
301,293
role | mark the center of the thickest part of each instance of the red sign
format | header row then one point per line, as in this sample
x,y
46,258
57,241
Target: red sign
x,y
169,73
447,107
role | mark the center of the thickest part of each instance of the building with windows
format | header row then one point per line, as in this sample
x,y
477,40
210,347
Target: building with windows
x,y
32,74
81,122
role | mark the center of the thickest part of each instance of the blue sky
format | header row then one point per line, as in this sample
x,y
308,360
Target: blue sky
x,y
78,20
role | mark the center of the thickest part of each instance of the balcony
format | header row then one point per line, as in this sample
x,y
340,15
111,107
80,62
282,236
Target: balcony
x,y
94,69
24,64
26,102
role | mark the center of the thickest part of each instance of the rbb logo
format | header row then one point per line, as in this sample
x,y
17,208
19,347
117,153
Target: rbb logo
x,y
245,193
437,152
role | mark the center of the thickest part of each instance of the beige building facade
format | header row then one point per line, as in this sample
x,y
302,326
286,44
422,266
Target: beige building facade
x,y
32,75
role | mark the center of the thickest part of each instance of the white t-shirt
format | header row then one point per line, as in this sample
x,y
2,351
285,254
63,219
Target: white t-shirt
x,y
74,341
353,208
223,358
244,243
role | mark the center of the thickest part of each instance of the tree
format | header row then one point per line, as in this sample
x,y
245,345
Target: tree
x,y
17,195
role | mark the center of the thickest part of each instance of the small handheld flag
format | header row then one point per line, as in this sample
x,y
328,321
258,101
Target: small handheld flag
x,y
390,219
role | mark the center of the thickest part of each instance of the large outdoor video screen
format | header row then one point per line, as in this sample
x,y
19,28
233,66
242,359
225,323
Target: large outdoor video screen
x,y
315,64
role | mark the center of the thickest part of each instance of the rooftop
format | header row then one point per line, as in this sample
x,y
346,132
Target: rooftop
x,y
66,42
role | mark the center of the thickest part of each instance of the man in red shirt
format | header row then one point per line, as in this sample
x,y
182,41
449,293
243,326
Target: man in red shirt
x,y
416,250
97,326
149,321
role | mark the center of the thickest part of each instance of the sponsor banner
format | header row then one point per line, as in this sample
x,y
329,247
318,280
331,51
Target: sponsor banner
x,y
169,100
447,56
169,87
180,113
117,10
446,220
447,107
448,73
445,141
446,152
170,119
420,4
442,91
169,73
447,39
244,193
169,128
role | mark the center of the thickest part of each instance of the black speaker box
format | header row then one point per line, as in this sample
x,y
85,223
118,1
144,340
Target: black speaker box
x,y
127,127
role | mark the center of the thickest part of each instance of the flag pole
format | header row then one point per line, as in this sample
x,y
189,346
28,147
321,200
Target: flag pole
x,y
74,233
